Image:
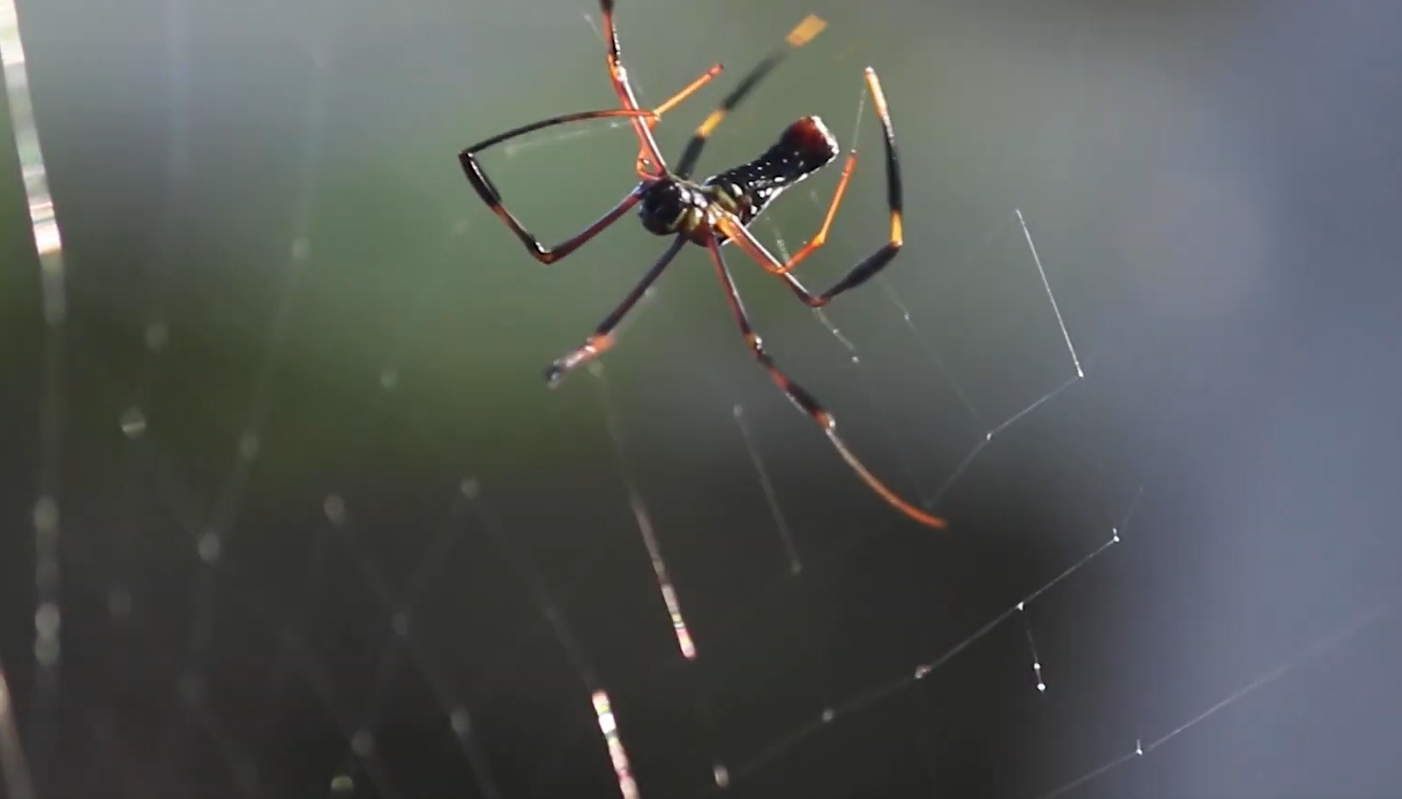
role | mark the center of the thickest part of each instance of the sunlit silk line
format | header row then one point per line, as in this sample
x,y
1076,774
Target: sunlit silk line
x,y
929,351
398,606
48,244
12,764
654,551
1037,259
780,522
664,582
227,501
1032,645
556,619
608,725
882,691
44,225
1315,651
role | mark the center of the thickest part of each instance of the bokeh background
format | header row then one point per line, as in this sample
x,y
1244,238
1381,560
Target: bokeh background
x,y
319,529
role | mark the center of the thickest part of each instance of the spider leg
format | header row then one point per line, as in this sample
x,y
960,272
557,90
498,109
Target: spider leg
x,y
802,34
690,89
645,167
649,151
733,229
868,267
602,338
492,197
805,401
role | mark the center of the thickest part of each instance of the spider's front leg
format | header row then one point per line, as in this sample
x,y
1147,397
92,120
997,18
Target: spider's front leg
x,y
490,195
650,161
648,151
602,338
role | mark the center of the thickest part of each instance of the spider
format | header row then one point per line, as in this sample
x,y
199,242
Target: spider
x,y
717,211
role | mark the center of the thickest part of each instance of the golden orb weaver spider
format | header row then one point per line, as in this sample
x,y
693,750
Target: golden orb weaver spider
x,y
718,210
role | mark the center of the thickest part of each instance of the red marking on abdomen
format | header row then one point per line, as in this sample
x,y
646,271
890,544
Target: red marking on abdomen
x,y
811,139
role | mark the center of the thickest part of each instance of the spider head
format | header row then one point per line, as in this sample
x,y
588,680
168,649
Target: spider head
x,y
672,206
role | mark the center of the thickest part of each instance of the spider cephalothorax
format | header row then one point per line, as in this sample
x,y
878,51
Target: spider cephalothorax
x,y
672,205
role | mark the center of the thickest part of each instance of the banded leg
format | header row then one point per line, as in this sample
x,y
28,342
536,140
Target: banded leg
x,y
650,154
690,89
602,338
805,401
492,197
643,166
867,268
728,225
821,237
802,34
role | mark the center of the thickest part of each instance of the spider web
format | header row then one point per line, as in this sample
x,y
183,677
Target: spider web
x,y
216,613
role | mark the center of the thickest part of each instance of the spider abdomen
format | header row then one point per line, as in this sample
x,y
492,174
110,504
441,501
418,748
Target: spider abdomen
x,y
805,147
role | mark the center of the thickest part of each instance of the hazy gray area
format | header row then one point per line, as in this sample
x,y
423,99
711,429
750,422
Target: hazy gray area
x,y
324,530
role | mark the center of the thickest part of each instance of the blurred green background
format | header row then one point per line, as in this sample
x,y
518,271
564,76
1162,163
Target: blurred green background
x,y
295,332
217,132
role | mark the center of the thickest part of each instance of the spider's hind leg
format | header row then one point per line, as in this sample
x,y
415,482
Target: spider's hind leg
x,y
805,401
